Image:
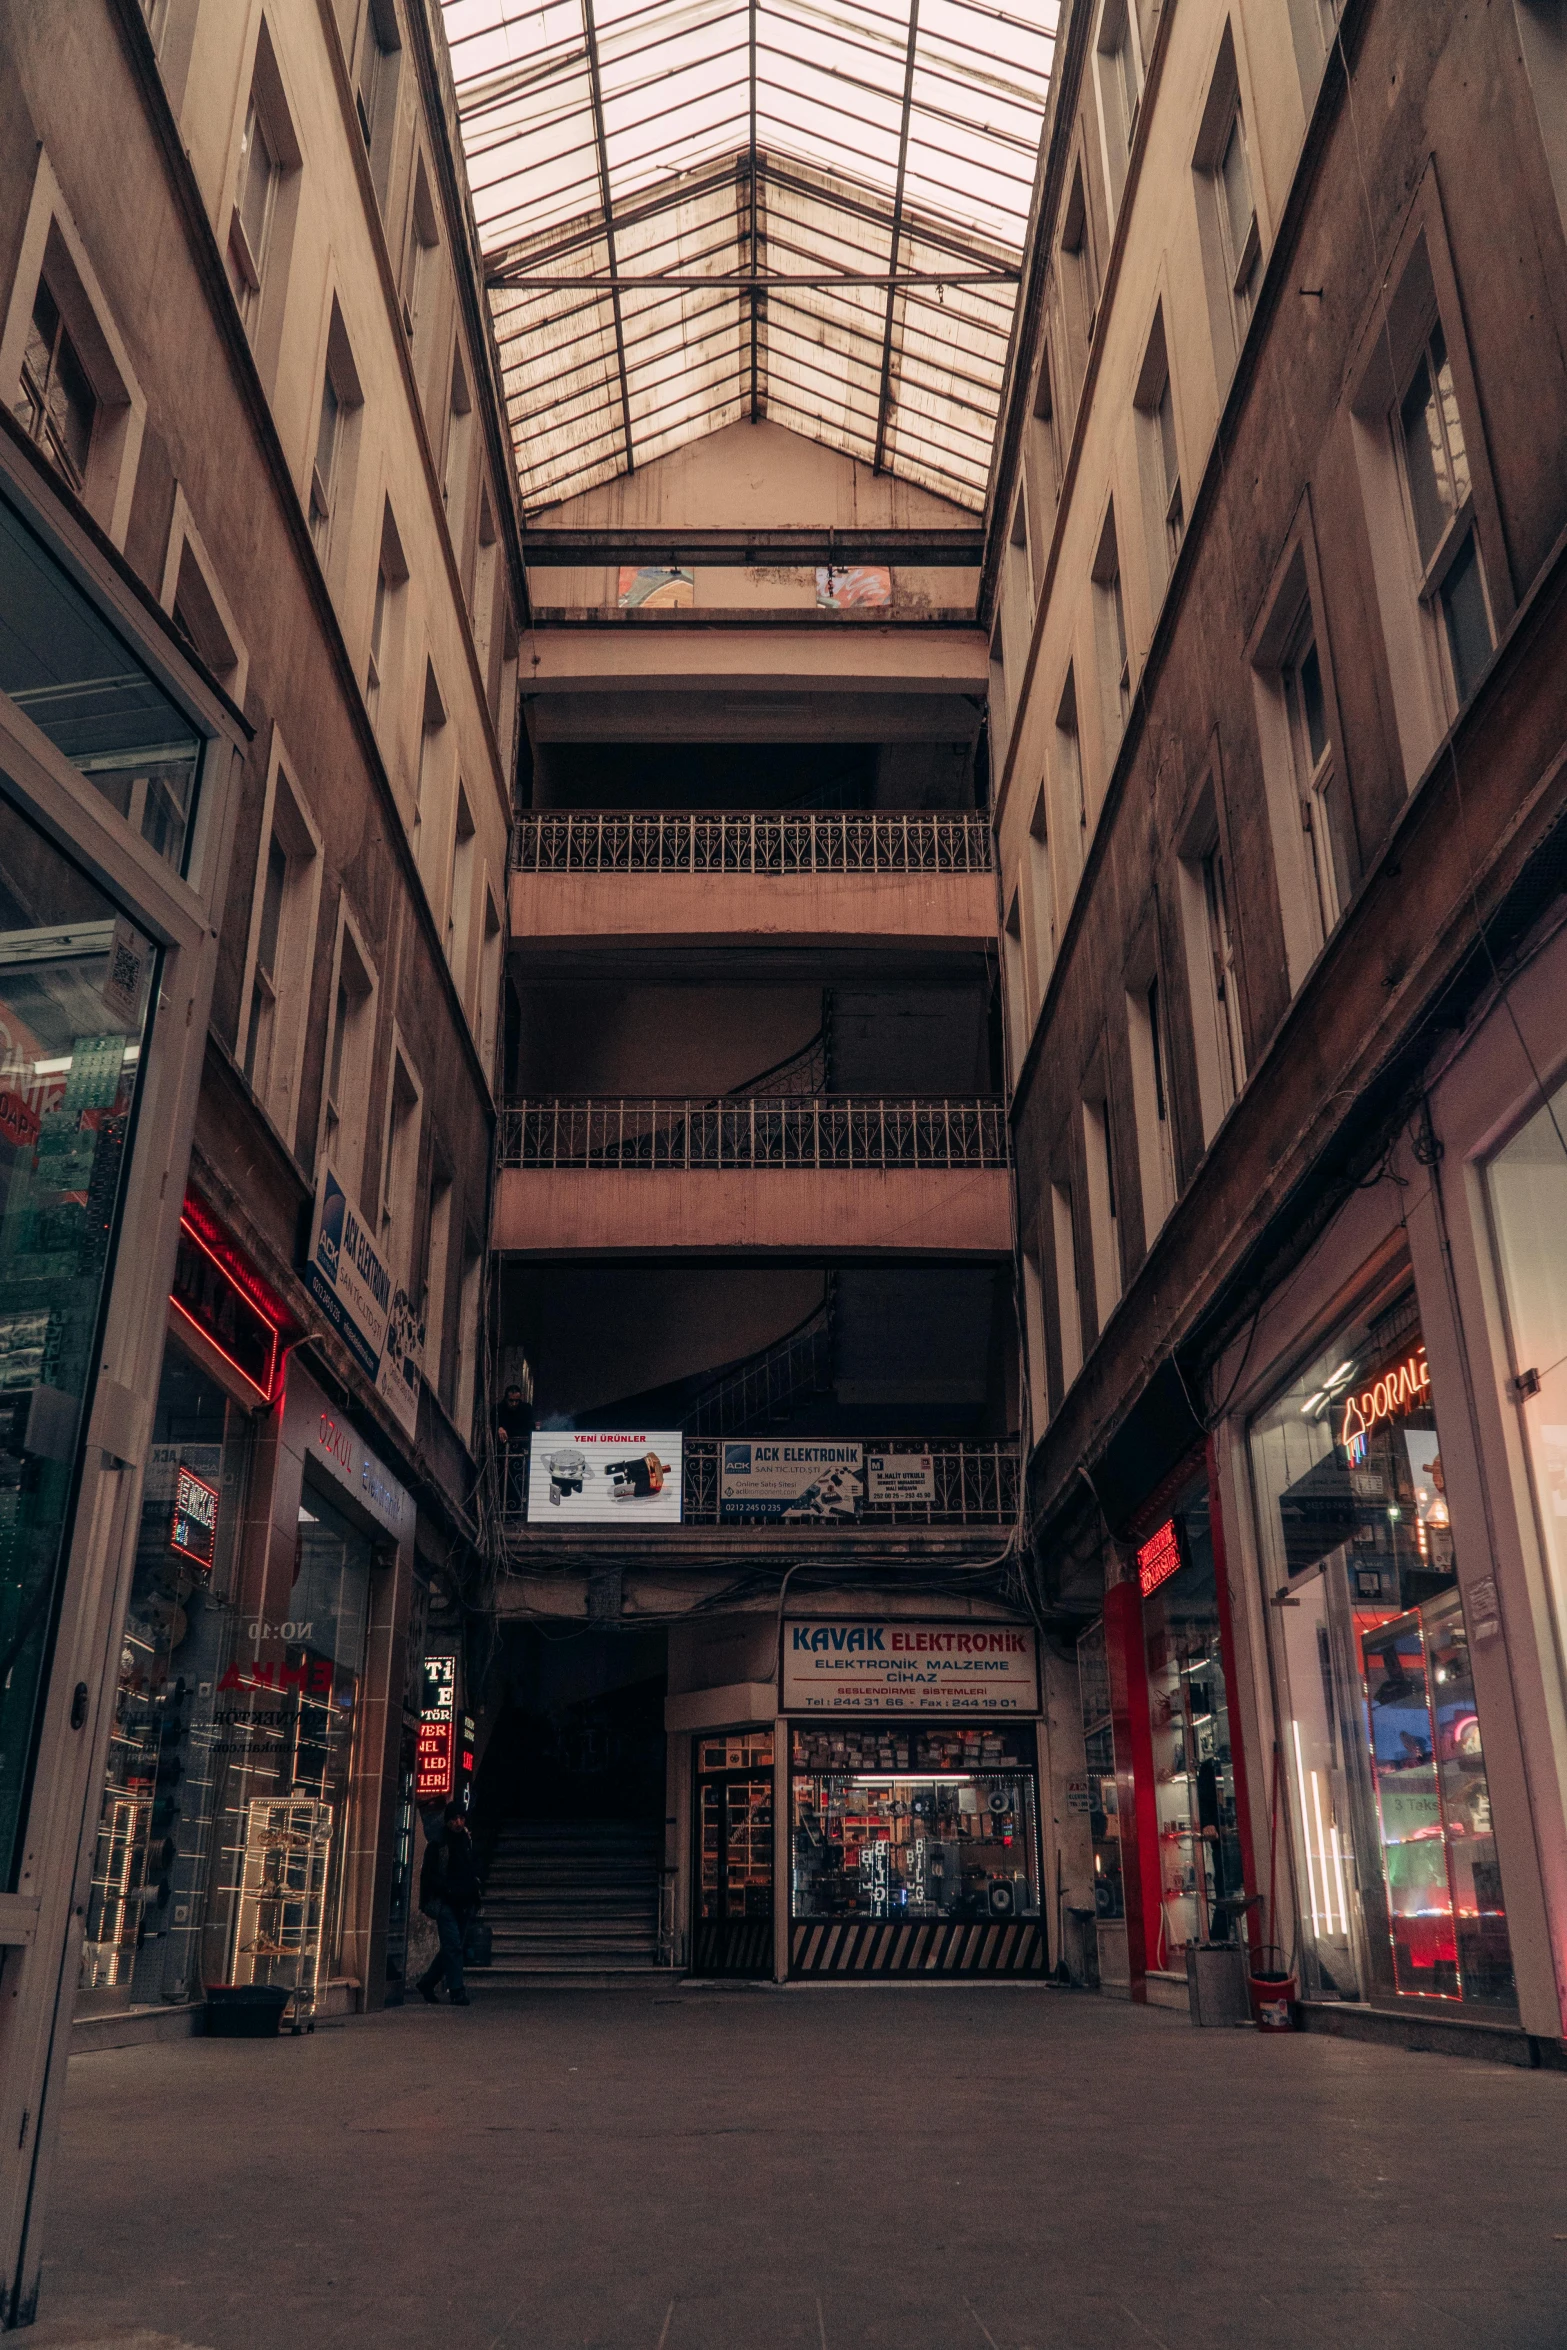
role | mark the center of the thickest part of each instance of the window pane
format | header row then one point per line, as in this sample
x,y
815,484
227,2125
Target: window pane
x,y
897,1820
86,691
70,1052
326,436
1452,422
1425,461
272,908
1235,176
255,173
1311,704
1468,622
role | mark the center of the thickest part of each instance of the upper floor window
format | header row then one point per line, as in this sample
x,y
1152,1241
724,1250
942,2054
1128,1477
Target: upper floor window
x,y
1322,813
255,199
1115,654
332,467
58,407
1078,266
1429,433
1119,76
1231,231
1221,952
375,92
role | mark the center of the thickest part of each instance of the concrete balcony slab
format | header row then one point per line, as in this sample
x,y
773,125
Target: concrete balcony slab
x,y
560,916
813,1212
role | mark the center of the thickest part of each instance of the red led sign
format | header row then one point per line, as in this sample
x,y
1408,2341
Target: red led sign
x,y
433,1762
194,1532
1159,1557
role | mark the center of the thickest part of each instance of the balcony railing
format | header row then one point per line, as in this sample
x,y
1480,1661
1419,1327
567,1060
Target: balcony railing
x,y
788,1131
972,1485
742,841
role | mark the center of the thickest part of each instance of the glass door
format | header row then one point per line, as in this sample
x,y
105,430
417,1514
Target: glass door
x,y
733,1927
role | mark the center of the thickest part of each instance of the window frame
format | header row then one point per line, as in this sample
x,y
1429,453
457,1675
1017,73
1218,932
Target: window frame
x,y
287,819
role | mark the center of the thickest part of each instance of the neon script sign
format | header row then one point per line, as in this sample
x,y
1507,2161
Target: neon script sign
x,y
1159,1558
1403,1389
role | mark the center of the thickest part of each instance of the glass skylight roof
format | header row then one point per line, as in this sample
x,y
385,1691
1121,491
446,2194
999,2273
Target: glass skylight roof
x,y
694,211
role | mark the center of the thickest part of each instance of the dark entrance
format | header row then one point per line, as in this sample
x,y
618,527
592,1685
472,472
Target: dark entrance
x,y
732,1932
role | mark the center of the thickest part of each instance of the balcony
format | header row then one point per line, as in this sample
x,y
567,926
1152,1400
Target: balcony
x,y
805,1175
975,1502
619,880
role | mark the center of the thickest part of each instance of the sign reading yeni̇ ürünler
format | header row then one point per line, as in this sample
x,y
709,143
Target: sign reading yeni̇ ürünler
x,y
868,1665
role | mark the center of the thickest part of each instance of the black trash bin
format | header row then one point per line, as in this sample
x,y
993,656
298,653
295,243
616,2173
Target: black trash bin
x,y
245,2011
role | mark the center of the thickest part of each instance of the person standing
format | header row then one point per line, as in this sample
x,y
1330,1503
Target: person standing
x,y
449,1893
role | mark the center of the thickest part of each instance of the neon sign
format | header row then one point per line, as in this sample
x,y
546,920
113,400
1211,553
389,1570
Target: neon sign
x,y
1403,1389
436,1751
1159,1557
194,1533
216,1292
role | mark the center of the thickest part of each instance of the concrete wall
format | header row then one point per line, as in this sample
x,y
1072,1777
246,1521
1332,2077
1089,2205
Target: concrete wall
x,y
911,1212
940,913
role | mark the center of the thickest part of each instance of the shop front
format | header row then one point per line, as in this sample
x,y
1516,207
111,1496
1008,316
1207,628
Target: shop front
x,y
911,1777
1382,1737
1165,1775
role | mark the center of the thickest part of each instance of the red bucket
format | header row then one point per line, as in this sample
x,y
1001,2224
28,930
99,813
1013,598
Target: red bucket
x,y
1272,1991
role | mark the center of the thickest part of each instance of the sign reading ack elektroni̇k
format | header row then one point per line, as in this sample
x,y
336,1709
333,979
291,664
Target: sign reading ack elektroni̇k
x,y
871,1665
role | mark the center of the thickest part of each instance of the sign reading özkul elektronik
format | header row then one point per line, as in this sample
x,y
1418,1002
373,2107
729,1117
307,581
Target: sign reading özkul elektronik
x,y
892,1665
586,1477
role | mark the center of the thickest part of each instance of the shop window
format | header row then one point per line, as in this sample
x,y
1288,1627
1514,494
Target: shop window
x,y
1231,235
1103,1954
1398,1891
896,1820
281,954
76,984
1151,1107
290,1701
1527,1187
1159,458
155,1849
81,685
733,1926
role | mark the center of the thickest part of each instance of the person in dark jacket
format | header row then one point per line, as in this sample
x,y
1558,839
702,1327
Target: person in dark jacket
x,y
449,1892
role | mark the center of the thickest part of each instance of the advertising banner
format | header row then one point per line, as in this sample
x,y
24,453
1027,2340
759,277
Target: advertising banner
x,y
400,1377
892,1665
791,1480
437,1748
345,1275
900,1476
583,1477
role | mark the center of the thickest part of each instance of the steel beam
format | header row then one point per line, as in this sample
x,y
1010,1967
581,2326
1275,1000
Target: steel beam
x,y
729,281
934,549
884,401
607,199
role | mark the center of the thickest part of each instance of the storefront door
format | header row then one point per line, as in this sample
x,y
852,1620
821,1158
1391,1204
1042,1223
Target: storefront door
x,y
733,1928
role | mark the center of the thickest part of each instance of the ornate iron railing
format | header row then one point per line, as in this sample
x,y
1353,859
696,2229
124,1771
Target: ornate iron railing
x,y
971,1485
787,1131
692,840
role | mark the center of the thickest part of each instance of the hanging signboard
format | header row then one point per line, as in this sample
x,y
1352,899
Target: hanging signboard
x,y
791,1480
586,1477
437,1747
345,1274
900,1476
893,1665
1161,1556
401,1376
194,1530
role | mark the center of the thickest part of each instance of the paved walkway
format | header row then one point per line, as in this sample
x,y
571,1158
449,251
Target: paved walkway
x,y
836,2169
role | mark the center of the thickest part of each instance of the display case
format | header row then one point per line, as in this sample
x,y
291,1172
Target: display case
x,y
1194,1787
283,1898
733,1925
1104,1954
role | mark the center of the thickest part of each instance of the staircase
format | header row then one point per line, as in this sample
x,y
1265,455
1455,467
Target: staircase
x,y
572,1902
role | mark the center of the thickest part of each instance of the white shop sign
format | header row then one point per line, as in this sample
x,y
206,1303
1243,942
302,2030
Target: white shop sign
x,y
889,1665
331,1444
900,1476
586,1477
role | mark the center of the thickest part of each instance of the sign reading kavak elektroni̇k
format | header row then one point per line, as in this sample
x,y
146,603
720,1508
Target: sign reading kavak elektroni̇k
x,y
886,1665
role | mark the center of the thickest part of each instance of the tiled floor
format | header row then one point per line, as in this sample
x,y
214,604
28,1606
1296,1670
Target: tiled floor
x,y
928,2168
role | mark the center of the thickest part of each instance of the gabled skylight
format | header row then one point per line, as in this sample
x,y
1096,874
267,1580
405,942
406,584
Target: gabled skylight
x,y
694,211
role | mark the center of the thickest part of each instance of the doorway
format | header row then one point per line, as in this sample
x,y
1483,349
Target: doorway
x,y
732,1931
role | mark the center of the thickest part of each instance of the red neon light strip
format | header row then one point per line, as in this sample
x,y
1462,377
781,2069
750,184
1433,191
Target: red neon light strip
x,y
204,1228
238,1369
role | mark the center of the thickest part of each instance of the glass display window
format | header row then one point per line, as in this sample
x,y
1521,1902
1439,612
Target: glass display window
x,y
148,1890
1104,1824
1201,1872
289,1721
735,1825
912,1820
75,983
1526,1185
1398,1888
